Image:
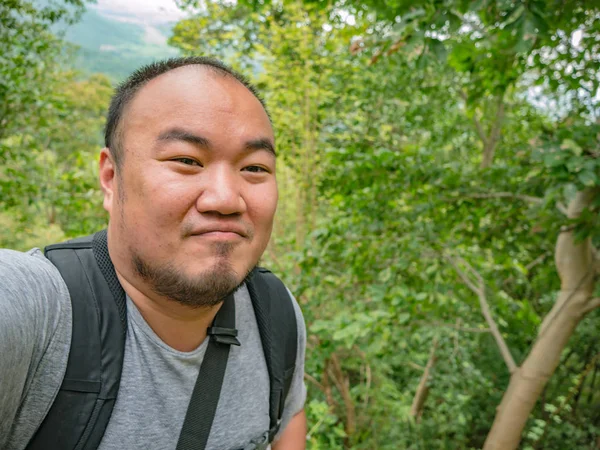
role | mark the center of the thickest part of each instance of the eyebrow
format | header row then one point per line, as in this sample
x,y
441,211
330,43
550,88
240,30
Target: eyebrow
x,y
178,134
261,144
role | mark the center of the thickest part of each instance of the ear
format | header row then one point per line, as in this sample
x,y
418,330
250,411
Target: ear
x,y
108,178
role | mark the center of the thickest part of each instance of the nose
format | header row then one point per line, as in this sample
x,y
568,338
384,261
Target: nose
x,y
221,191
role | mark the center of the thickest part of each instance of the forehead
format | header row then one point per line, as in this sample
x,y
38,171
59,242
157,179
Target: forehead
x,y
196,96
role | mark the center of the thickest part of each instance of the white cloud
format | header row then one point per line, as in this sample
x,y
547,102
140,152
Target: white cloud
x,y
140,11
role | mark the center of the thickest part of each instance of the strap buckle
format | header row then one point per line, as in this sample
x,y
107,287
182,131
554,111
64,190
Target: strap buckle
x,y
224,335
274,430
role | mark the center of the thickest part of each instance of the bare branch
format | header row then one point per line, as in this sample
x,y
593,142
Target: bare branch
x,y
463,275
343,385
592,304
368,375
562,208
480,131
485,309
473,271
422,392
497,127
314,381
416,366
537,261
489,145
328,393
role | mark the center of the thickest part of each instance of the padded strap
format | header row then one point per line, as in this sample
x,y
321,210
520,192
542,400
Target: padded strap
x,y
78,417
276,321
205,397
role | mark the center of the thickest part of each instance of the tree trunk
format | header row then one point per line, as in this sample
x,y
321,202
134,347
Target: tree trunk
x,y
577,268
489,149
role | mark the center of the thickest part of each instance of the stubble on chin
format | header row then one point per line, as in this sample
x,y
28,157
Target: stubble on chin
x,y
206,289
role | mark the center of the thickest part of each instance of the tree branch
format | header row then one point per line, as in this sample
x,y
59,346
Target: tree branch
x,y
463,275
489,145
592,304
497,126
480,131
422,392
368,374
416,366
479,290
343,385
537,261
314,381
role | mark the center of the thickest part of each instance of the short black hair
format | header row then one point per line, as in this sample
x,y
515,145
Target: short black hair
x,y
126,91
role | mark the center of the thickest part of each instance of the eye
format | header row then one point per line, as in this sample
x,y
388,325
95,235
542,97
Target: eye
x,y
256,169
187,161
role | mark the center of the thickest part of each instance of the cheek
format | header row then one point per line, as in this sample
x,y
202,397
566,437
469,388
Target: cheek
x,y
263,209
157,200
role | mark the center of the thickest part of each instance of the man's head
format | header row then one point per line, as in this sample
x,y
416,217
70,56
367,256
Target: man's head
x,y
188,175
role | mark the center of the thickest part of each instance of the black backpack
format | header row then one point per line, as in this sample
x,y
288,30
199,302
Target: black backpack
x,y
81,411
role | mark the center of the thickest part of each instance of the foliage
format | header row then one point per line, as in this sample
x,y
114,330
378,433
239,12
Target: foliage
x,y
414,140
50,130
409,98
27,53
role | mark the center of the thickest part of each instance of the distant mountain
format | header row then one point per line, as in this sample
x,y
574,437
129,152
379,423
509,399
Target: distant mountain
x,y
116,44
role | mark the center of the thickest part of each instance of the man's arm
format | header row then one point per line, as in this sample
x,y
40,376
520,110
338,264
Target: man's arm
x,y
294,435
30,314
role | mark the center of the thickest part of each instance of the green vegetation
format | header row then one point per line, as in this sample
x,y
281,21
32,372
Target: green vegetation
x,y
440,185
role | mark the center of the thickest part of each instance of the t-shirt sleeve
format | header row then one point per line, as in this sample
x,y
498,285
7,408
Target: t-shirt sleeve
x,y
294,402
32,309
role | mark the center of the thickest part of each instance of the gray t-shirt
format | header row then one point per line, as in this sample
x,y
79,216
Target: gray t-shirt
x,y
156,383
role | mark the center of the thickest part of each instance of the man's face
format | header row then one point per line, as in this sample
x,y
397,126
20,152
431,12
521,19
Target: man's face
x,y
191,210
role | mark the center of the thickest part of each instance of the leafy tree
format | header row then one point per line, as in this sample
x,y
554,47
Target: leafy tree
x,y
408,213
29,52
49,129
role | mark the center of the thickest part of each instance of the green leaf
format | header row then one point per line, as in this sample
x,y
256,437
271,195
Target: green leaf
x,y
570,144
588,178
438,48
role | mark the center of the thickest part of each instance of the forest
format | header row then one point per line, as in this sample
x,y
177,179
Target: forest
x,y
439,176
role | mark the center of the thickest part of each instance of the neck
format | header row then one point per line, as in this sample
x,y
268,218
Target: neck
x,y
180,327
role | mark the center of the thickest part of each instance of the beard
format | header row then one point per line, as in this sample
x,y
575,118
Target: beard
x,y
207,289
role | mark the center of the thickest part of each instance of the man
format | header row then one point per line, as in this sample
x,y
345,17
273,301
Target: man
x,y
188,176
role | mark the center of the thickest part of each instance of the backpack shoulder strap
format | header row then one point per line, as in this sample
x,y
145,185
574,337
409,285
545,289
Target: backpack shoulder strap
x,y
276,321
78,417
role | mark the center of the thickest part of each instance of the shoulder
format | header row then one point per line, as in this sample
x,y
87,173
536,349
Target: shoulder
x,y
32,288
33,296
35,332
24,272
298,311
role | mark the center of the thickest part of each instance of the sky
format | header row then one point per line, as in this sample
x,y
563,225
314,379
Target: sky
x,y
140,11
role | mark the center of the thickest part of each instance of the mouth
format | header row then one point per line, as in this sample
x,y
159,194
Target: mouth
x,y
222,232
220,235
